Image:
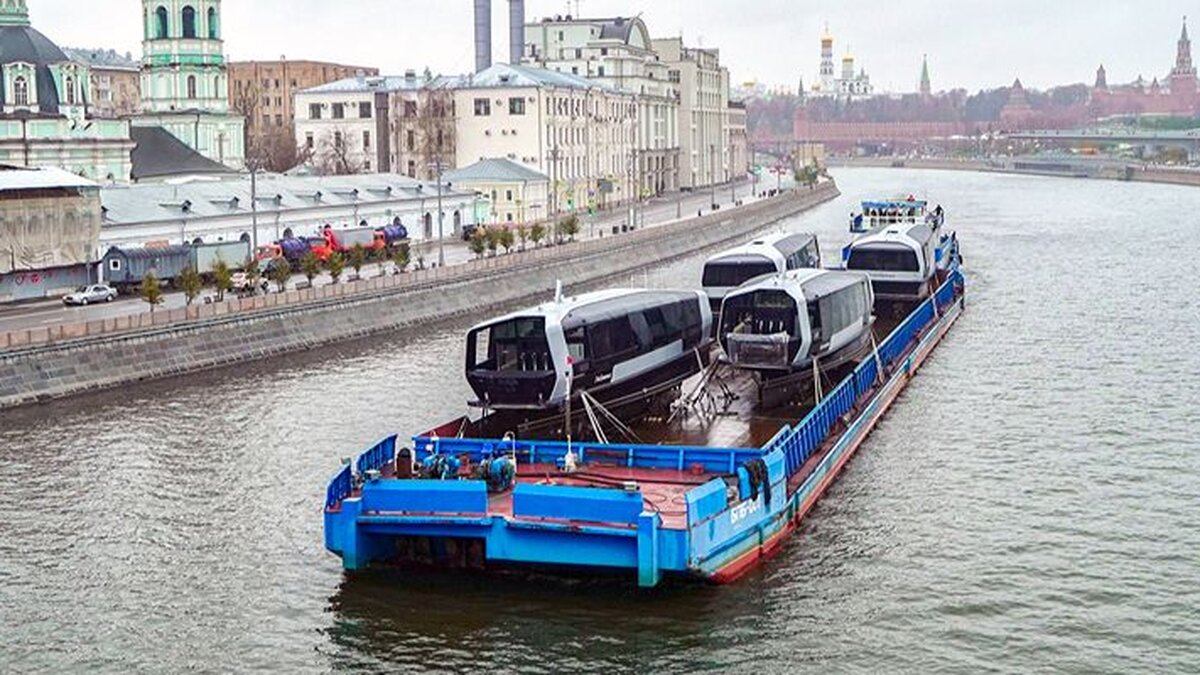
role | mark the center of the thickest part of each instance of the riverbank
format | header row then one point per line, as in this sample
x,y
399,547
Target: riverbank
x,y
1074,167
65,360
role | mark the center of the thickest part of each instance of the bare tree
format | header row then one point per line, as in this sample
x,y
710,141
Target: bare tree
x,y
334,157
425,130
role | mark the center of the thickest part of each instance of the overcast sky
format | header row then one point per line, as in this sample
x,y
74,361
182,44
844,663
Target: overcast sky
x,y
971,43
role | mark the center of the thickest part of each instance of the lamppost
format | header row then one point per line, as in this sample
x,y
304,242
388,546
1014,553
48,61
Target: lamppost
x,y
437,163
712,176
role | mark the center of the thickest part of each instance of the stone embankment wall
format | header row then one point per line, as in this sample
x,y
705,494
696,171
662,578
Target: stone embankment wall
x,y
1091,169
252,329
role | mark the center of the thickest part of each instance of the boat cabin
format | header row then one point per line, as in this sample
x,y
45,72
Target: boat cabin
x,y
783,322
901,260
878,215
608,344
769,255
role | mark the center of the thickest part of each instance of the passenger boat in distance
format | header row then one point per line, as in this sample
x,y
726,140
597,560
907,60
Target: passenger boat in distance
x,y
619,347
800,321
902,251
772,254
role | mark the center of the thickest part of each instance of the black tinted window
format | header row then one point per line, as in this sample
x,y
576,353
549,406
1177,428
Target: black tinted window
x,y
729,275
883,260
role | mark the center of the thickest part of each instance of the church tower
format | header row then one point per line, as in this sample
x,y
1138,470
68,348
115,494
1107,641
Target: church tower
x,y
1101,78
828,85
185,83
926,83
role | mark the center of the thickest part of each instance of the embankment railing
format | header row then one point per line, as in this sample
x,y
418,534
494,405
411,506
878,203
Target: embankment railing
x,y
366,288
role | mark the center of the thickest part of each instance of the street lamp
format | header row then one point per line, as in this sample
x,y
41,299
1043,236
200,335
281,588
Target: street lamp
x,y
437,163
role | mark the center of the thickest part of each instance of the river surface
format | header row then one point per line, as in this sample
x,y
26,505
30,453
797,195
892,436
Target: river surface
x,y
1032,501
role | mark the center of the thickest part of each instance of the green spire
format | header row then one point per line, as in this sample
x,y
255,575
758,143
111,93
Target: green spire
x,y
13,13
926,84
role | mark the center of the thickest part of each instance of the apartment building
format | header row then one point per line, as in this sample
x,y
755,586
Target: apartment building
x,y
619,52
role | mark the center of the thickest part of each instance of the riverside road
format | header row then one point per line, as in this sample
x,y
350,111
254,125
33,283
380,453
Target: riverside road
x,y
656,211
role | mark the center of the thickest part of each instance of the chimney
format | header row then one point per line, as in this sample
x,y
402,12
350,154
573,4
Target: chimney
x,y
483,35
516,31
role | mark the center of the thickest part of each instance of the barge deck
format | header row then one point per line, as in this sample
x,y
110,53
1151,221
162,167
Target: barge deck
x,y
707,496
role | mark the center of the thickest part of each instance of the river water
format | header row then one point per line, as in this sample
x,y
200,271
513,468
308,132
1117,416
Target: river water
x,y
1030,502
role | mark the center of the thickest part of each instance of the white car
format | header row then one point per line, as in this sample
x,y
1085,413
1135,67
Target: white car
x,y
86,295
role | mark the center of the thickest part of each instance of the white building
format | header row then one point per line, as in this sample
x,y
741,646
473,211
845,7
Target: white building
x,y
215,211
371,123
619,52
704,137
581,133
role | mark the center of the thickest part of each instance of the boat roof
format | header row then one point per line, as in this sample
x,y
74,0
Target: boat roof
x,y
905,234
595,306
897,204
769,246
814,283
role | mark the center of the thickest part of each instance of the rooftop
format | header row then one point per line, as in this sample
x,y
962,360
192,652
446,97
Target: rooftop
x,y
495,169
158,154
103,58
24,178
407,82
503,75
151,202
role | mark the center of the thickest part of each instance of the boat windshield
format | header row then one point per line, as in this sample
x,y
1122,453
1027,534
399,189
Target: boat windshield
x,y
761,313
517,345
880,259
734,274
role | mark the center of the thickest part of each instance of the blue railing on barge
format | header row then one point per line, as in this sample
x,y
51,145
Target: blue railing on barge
x,y
719,523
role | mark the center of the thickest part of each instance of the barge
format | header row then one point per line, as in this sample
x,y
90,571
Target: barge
x,y
710,510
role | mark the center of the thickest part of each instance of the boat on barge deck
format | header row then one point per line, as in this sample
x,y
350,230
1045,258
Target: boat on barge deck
x,y
711,510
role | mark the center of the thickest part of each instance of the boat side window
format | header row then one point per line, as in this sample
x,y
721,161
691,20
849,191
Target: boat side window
x,y
814,320
479,345
611,339
641,329
577,344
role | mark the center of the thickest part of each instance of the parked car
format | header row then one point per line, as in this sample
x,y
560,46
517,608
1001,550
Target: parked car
x,y
86,295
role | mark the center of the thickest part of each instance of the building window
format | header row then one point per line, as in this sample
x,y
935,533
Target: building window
x,y
276,83
604,51
266,120
191,86
410,108
337,140
214,24
69,85
412,169
508,195
579,53
308,140
314,111
366,140
439,139
279,120
160,23
189,22
516,105
339,111
410,140
364,110
21,91
483,107
600,71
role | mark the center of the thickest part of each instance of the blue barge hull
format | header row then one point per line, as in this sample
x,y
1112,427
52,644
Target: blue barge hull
x,y
705,512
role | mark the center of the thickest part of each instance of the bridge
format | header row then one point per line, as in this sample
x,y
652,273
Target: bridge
x,y
1186,140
